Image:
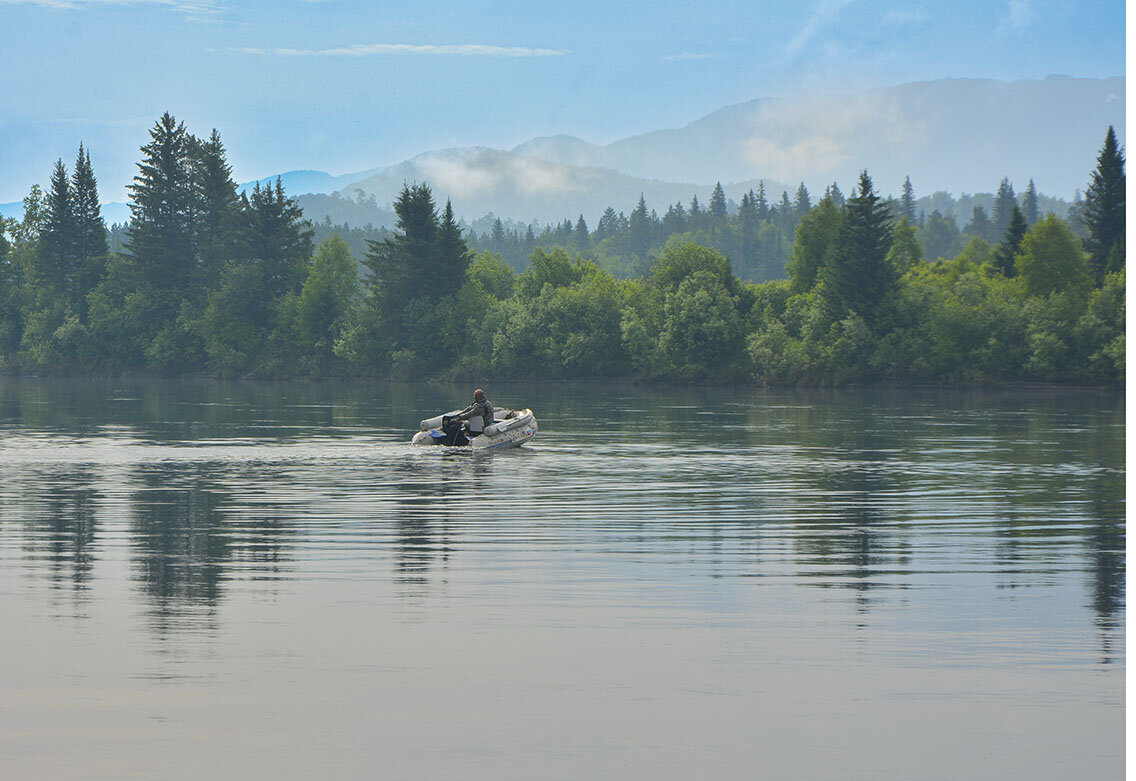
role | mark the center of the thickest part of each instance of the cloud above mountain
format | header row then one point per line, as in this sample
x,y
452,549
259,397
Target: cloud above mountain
x,y
387,49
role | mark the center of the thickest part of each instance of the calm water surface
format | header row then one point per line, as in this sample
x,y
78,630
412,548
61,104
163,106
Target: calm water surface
x,y
265,581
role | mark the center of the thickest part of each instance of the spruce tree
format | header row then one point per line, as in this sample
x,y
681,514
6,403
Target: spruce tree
x,y
58,241
908,200
674,221
275,236
641,229
1105,210
979,225
453,254
605,228
217,221
833,192
718,202
856,274
747,233
581,236
401,265
90,230
801,203
163,201
1011,243
1004,203
761,203
1029,205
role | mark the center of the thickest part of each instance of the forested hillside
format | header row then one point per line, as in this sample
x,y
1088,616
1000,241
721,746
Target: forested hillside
x,y
841,288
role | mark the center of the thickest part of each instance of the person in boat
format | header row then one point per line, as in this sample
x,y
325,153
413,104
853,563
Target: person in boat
x,y
479,414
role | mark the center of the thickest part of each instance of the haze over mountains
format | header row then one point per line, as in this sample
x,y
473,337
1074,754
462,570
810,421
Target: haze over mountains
x,y
958,135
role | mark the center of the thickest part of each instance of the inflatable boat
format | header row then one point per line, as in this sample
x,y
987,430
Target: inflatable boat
x,y
510,428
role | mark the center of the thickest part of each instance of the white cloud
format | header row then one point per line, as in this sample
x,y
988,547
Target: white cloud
x,y
1018,16
199,10
813,137
371,49
478,172
824,12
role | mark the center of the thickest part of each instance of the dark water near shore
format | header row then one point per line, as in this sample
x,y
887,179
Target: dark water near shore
x,y
265,581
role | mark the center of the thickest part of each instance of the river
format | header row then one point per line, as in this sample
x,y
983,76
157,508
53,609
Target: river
x,y
262,580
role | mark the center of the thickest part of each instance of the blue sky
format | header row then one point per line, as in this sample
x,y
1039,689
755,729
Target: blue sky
x,y
341,86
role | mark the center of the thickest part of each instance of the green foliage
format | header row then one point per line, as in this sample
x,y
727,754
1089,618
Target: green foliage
x,y
1051,260
1104,212
326,301
857,276
815,241
228,284
1007,250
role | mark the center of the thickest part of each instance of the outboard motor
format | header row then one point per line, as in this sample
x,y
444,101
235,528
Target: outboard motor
x,y
452,428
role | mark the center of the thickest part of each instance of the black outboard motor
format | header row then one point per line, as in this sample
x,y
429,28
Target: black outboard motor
x,y
452,428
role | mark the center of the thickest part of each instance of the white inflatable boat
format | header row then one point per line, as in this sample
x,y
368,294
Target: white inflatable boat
x,y
510,428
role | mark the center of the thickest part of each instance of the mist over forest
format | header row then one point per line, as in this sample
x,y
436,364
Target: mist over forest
x,y
751,280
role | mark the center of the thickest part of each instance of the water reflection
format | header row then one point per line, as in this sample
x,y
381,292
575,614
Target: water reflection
x,y
870,492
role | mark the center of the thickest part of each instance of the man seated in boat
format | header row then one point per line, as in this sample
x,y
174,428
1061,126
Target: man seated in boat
x,y
479,414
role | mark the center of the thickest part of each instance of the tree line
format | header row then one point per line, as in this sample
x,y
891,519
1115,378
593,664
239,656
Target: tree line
x,y
209,280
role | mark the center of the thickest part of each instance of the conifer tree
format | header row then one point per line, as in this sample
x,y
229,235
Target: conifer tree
x,y
761,203
608,225
674,221
718,202
856,274
1004,202
747,233
58,242
1029,204
1105,210
1011,243
276,237
453,254
833,192
582,238
908,200
640,228
801,203
979,225
401,265
90,231
217,221
163,210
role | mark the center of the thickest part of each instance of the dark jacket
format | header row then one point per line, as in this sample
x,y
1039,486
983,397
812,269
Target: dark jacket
x,y
479,409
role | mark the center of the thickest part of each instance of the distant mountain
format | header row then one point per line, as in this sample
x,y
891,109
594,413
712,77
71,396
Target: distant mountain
x,y
530,189
955,135
309,181
959,135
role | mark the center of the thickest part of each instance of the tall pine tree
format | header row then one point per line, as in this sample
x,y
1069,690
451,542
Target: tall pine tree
x,y
217,222
1105,210
1004,203
90,230
1011,243
907,200
856,274
163,210
1029,204
57,258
